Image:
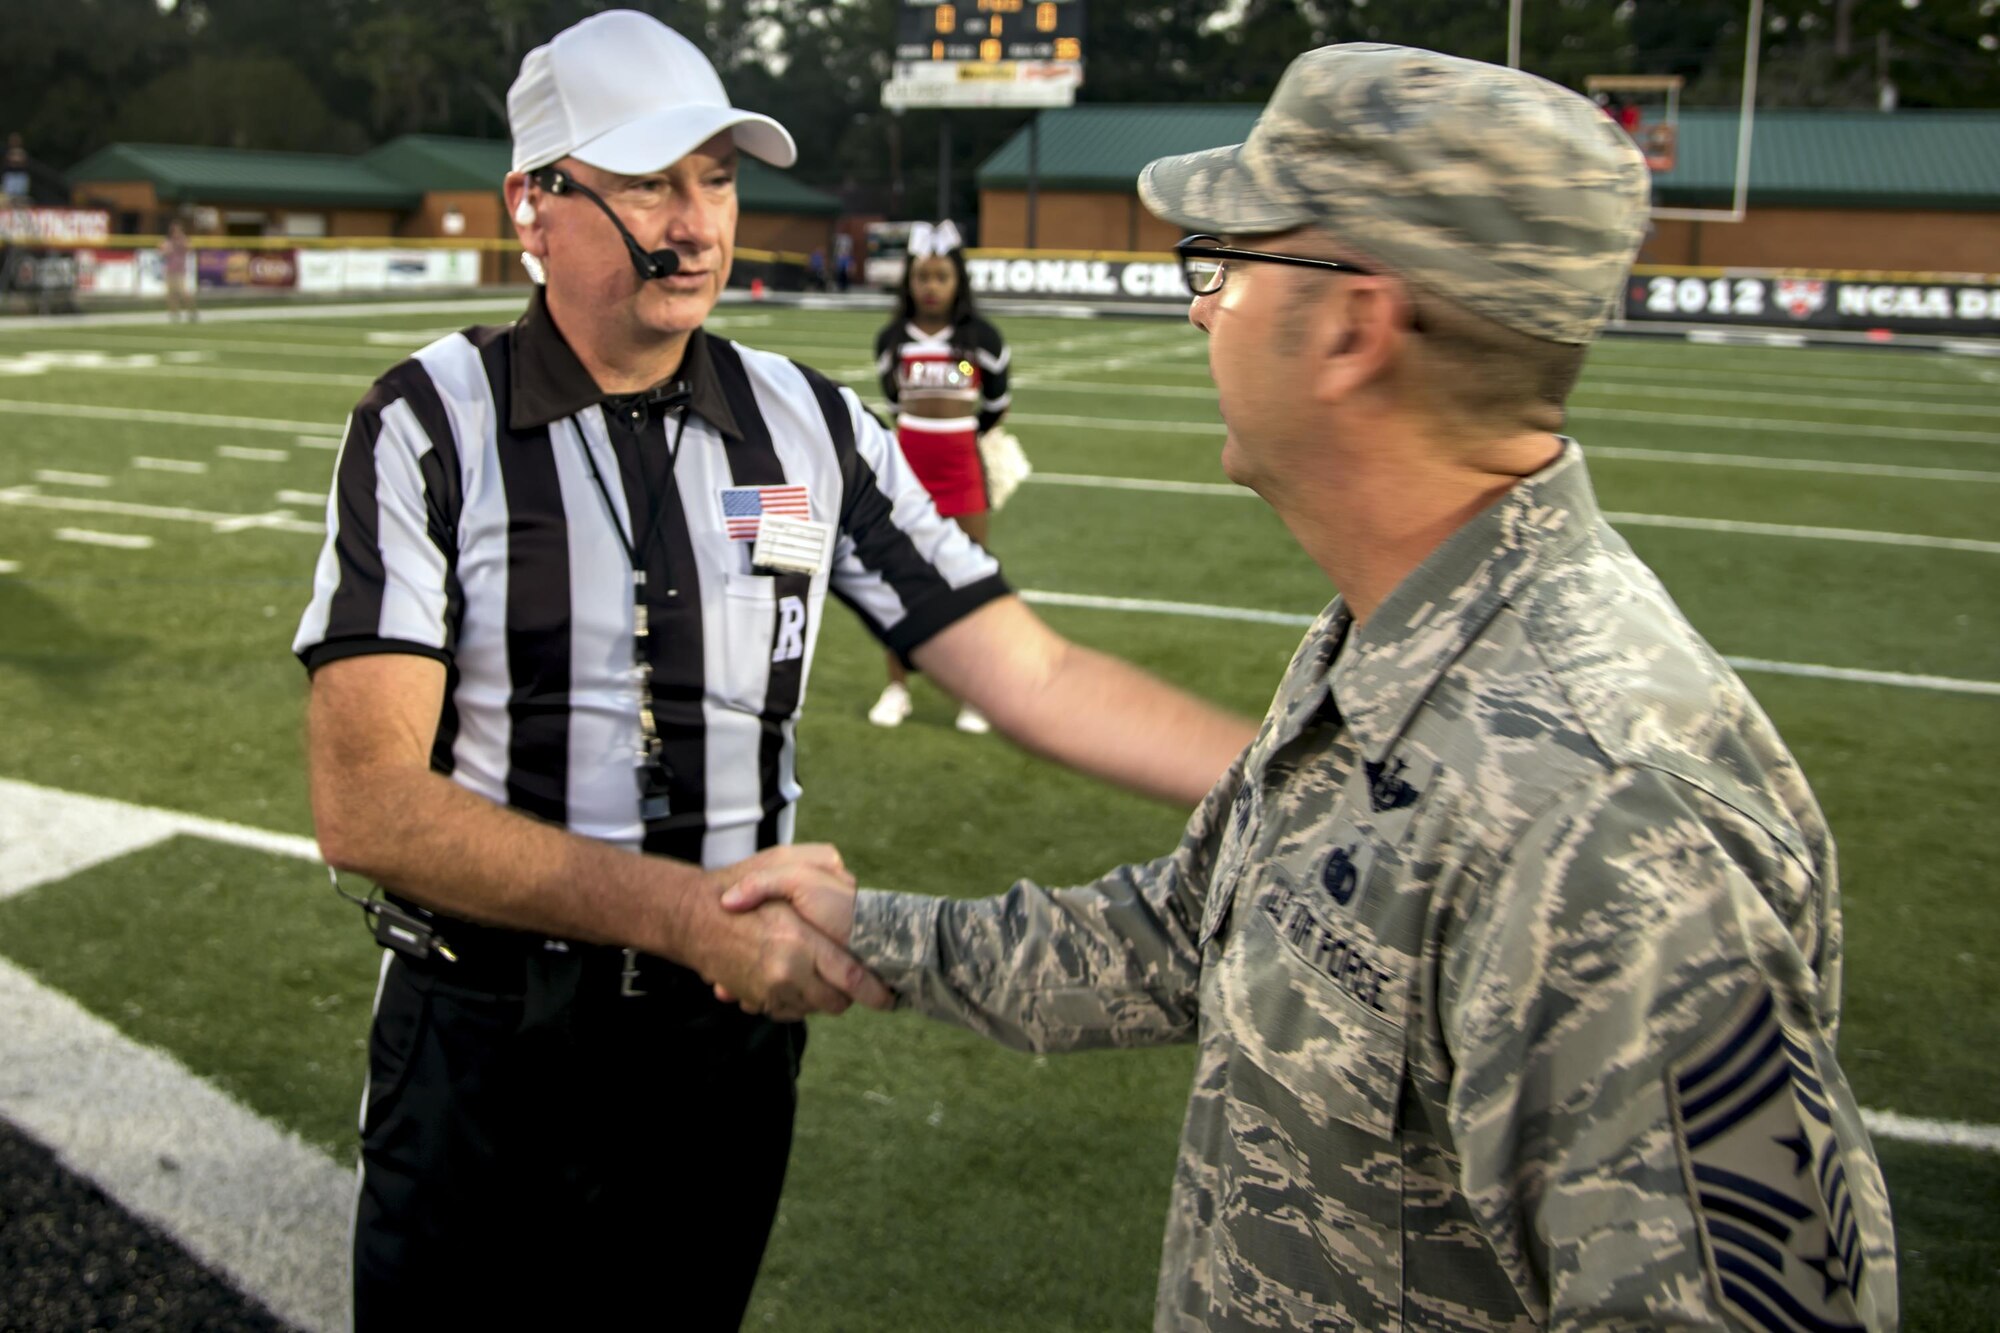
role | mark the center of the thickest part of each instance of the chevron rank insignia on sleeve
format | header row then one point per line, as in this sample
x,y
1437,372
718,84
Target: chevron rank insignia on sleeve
x,y
1764,1171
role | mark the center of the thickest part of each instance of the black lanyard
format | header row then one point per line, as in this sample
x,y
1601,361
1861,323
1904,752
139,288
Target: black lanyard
x,y
655,779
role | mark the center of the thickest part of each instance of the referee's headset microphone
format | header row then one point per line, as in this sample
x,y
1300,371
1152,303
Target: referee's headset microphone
x,y
661,263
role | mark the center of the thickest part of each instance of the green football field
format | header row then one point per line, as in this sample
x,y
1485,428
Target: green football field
x,y
1830,519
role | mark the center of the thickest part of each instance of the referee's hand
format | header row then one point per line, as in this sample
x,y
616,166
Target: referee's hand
x,y
771,961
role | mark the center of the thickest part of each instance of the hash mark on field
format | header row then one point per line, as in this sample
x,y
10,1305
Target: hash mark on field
x,y
300,498
169,464
317,441
249,455
10,566
56,478
124,541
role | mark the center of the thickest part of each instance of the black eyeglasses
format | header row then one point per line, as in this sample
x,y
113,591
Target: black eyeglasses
x,y
1202,262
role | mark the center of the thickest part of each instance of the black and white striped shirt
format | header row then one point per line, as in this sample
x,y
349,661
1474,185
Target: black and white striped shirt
x,y
465,526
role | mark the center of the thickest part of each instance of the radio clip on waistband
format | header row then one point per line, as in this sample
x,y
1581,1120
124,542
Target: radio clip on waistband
x,y
406,932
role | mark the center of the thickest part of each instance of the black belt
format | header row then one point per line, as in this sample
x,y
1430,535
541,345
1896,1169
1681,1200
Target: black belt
x,y
503,961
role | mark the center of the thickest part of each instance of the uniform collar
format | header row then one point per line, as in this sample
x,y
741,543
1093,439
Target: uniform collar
x,y
549,383
1380,674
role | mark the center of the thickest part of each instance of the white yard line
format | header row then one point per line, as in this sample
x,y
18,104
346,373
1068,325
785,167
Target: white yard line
x,y
1204,611
1786,427
1940,1133
275,314
405,337
1792,530
238,374
1211,428
169,464
154,416
248,455
1618,453
1832,401
1091,602
244,1196
300,498
1142,484
1604,413
1897,679
56,478
27,497
10,566
1760,463
1600,371
1804,532
123,541
122,341
317,441
1046,381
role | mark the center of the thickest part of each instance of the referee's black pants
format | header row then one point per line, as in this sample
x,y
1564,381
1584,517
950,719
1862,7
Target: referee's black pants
x,y
540,1149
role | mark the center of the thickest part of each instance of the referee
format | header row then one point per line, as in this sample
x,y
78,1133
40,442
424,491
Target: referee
x,y
559,636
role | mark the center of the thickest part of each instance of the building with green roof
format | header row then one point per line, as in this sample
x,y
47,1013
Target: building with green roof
x,y
419,186
1905,190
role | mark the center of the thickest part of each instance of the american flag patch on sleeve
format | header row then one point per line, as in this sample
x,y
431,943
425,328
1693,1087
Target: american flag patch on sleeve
x,y
743,506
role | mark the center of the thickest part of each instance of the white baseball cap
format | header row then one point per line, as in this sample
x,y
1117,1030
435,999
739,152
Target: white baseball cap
x,y
623,91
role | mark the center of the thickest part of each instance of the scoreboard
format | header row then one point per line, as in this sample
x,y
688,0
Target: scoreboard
x,y
987,53
992,31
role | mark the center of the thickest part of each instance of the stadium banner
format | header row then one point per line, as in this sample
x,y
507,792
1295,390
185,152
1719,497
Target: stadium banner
x,y
54,226
380,270
1952,303
120,273
48,275
247,268
1119,277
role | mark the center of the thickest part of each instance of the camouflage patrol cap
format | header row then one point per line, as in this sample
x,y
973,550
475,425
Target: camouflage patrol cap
x,y
1518,199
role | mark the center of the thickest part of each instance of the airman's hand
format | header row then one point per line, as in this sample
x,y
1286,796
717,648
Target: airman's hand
x,y
771,961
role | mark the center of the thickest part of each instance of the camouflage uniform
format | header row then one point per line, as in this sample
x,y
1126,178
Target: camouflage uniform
x,y
1512,943
1512,949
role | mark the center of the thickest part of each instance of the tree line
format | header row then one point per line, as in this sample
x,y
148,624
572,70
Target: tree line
x,y
342,75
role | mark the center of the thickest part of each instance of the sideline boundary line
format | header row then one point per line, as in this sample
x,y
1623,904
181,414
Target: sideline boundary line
x,y
245,1197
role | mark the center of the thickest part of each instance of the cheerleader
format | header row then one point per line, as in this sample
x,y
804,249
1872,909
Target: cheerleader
x,y
944,369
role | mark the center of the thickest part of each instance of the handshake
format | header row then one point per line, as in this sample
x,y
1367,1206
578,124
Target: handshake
x,y
773,938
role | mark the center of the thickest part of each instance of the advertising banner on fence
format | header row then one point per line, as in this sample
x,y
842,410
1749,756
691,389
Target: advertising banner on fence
x,y
247,268
1964,304
120,273
386,270
47,274
997,274
54,226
